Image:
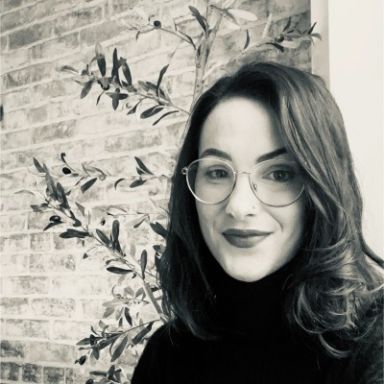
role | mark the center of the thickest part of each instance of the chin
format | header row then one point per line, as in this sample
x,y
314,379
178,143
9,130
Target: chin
x,y
246,273
250,267
245,278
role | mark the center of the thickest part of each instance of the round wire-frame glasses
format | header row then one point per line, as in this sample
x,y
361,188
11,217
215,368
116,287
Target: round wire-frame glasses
x,y
275,182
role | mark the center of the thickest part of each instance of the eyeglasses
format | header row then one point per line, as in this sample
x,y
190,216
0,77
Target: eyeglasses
x,y
275,182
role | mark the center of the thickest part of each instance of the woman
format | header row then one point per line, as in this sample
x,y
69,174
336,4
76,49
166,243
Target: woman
x,y
266,273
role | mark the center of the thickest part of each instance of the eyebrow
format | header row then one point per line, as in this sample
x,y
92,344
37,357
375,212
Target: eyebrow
x,y
224,155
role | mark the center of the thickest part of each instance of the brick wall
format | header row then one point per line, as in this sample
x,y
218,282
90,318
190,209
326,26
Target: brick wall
x,y
50,296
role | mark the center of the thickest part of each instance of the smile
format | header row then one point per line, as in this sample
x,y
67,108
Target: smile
x,y
244,238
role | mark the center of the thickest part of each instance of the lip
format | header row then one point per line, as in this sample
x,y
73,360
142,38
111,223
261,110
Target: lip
x,y
244,238
244,232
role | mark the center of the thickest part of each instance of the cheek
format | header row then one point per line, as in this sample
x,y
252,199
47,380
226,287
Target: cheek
x,y
292,222
206,215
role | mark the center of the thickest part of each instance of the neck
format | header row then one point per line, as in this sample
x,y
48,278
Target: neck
x,y
249,310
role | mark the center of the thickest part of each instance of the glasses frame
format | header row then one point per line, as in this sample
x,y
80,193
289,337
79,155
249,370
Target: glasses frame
x,y
184,171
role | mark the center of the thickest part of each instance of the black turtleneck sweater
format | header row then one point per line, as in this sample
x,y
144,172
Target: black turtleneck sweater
x,y
254,344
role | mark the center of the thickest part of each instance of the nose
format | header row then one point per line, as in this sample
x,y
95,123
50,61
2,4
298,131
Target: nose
x,y
242,202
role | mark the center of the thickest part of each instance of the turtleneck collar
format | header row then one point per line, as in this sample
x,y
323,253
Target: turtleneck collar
x,y
249,311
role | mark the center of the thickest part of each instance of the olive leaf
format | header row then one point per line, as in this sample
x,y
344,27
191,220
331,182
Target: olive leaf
x,y
140,221
81,208
71,233
26,191
276,45
120,349
288,24
100,58
290,44
310,30
137,183
133,109
151,111
81,360
68,68
142,166
108,312
161,74
38,166
227,15
139,337
103,237
39,207
88,184
117,182
148,86
126,71
52,224
62,196
119,271
247,39
106,342
162,116
143,262
51,186
115,67
115,103
87,87
98,98
115,230
95,353
159,229
189,38
127,316
201,19
85,341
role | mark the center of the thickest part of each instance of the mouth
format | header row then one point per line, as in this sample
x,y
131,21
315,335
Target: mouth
x,y
244,238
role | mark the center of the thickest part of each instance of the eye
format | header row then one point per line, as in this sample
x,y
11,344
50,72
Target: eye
x,y
281,175
216,173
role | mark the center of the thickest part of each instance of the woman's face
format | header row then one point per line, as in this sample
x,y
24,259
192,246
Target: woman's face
x,y
249,239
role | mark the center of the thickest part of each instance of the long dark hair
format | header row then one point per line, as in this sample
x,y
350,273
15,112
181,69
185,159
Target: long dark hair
x,y
333,281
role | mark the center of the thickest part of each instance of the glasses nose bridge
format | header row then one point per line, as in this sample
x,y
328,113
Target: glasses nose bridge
x,y
248,173
237,173
242,172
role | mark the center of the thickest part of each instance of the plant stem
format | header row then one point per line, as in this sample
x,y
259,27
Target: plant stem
x,y
162,101
154,301
110,335
132,263
202,54
179,35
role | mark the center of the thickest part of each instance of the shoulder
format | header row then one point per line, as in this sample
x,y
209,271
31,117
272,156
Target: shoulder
x,y
159,338
163,348
170,336
152,355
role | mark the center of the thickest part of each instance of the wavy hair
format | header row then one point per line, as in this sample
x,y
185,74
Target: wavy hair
x,y
334,280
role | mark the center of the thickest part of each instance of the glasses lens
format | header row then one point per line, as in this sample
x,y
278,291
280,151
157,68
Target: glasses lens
x,y
210,180
277,183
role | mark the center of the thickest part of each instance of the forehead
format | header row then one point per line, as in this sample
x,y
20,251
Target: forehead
x,y
243,128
